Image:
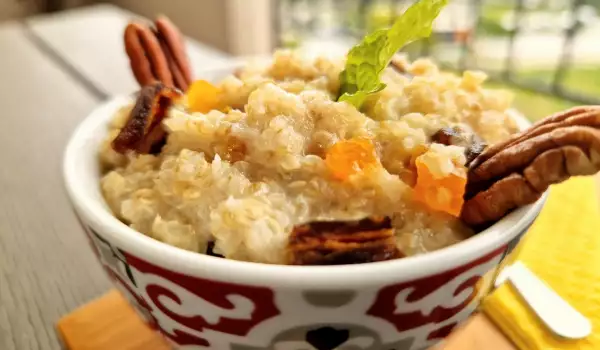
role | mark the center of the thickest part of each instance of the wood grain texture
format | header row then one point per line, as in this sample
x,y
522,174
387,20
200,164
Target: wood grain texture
x,y
92,327
91,40
479,333
46,266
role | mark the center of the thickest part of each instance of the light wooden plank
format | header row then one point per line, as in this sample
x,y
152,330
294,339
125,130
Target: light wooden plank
x,y
46,265
477,334
91,40
13,9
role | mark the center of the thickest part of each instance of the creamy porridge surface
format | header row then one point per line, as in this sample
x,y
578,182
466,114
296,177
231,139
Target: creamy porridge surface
x,y
241,177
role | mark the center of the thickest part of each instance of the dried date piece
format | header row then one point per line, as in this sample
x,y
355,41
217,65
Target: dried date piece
x,y
343,242
456,136
143,132
518,171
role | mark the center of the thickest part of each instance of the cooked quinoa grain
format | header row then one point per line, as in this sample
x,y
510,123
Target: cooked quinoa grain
x,y
245,177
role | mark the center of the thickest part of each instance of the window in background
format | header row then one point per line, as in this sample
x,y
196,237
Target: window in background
x,y
541,49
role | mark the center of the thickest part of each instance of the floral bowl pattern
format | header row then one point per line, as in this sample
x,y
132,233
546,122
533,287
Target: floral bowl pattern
x,y
199,313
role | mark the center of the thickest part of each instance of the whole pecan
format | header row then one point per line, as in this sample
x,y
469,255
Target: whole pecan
x,y
337,242
158,54
518,171
143,132
174,48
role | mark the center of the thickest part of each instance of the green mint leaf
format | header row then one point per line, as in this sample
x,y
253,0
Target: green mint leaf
x,y
367,60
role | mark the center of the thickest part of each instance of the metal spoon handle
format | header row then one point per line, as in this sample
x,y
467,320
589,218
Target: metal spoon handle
x,y
553,311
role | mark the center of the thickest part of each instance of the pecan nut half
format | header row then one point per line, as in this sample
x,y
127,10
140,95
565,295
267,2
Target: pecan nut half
x,y
339,243
518,171
457,136
143,132
174,48
158,54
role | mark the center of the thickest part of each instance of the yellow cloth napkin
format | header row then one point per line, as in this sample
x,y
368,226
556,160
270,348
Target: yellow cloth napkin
x,y
562,248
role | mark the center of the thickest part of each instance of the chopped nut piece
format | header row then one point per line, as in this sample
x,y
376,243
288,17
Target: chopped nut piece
x,y
210,250
400,64
474,150
456,136
450,136
143,132
518,171
338,243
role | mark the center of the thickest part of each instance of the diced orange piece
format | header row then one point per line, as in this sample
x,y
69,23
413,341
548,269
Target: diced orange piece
x,y
203,97
442,194
348,157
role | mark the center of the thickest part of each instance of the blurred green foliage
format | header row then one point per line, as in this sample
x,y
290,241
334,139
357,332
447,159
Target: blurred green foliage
x,y
534,105
582,79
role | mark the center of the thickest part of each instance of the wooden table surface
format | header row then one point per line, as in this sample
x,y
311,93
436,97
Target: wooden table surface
x,y
53,71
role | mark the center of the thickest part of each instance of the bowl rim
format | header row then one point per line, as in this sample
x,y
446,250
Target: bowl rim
x,y
81,153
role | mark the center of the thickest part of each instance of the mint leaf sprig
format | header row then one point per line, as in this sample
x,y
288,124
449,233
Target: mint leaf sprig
x,y
366,61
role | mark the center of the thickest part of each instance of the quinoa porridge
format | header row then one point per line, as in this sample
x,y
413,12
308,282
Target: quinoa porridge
x,y
269,148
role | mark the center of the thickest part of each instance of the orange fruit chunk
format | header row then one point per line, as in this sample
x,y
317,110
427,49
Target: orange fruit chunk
x,y
203,97
442,194
348,157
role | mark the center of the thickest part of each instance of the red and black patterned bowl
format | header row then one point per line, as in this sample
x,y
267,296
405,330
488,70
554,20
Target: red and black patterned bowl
x,y
202,302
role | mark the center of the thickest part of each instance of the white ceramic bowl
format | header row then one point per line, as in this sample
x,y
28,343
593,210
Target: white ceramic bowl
x,y
198,301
